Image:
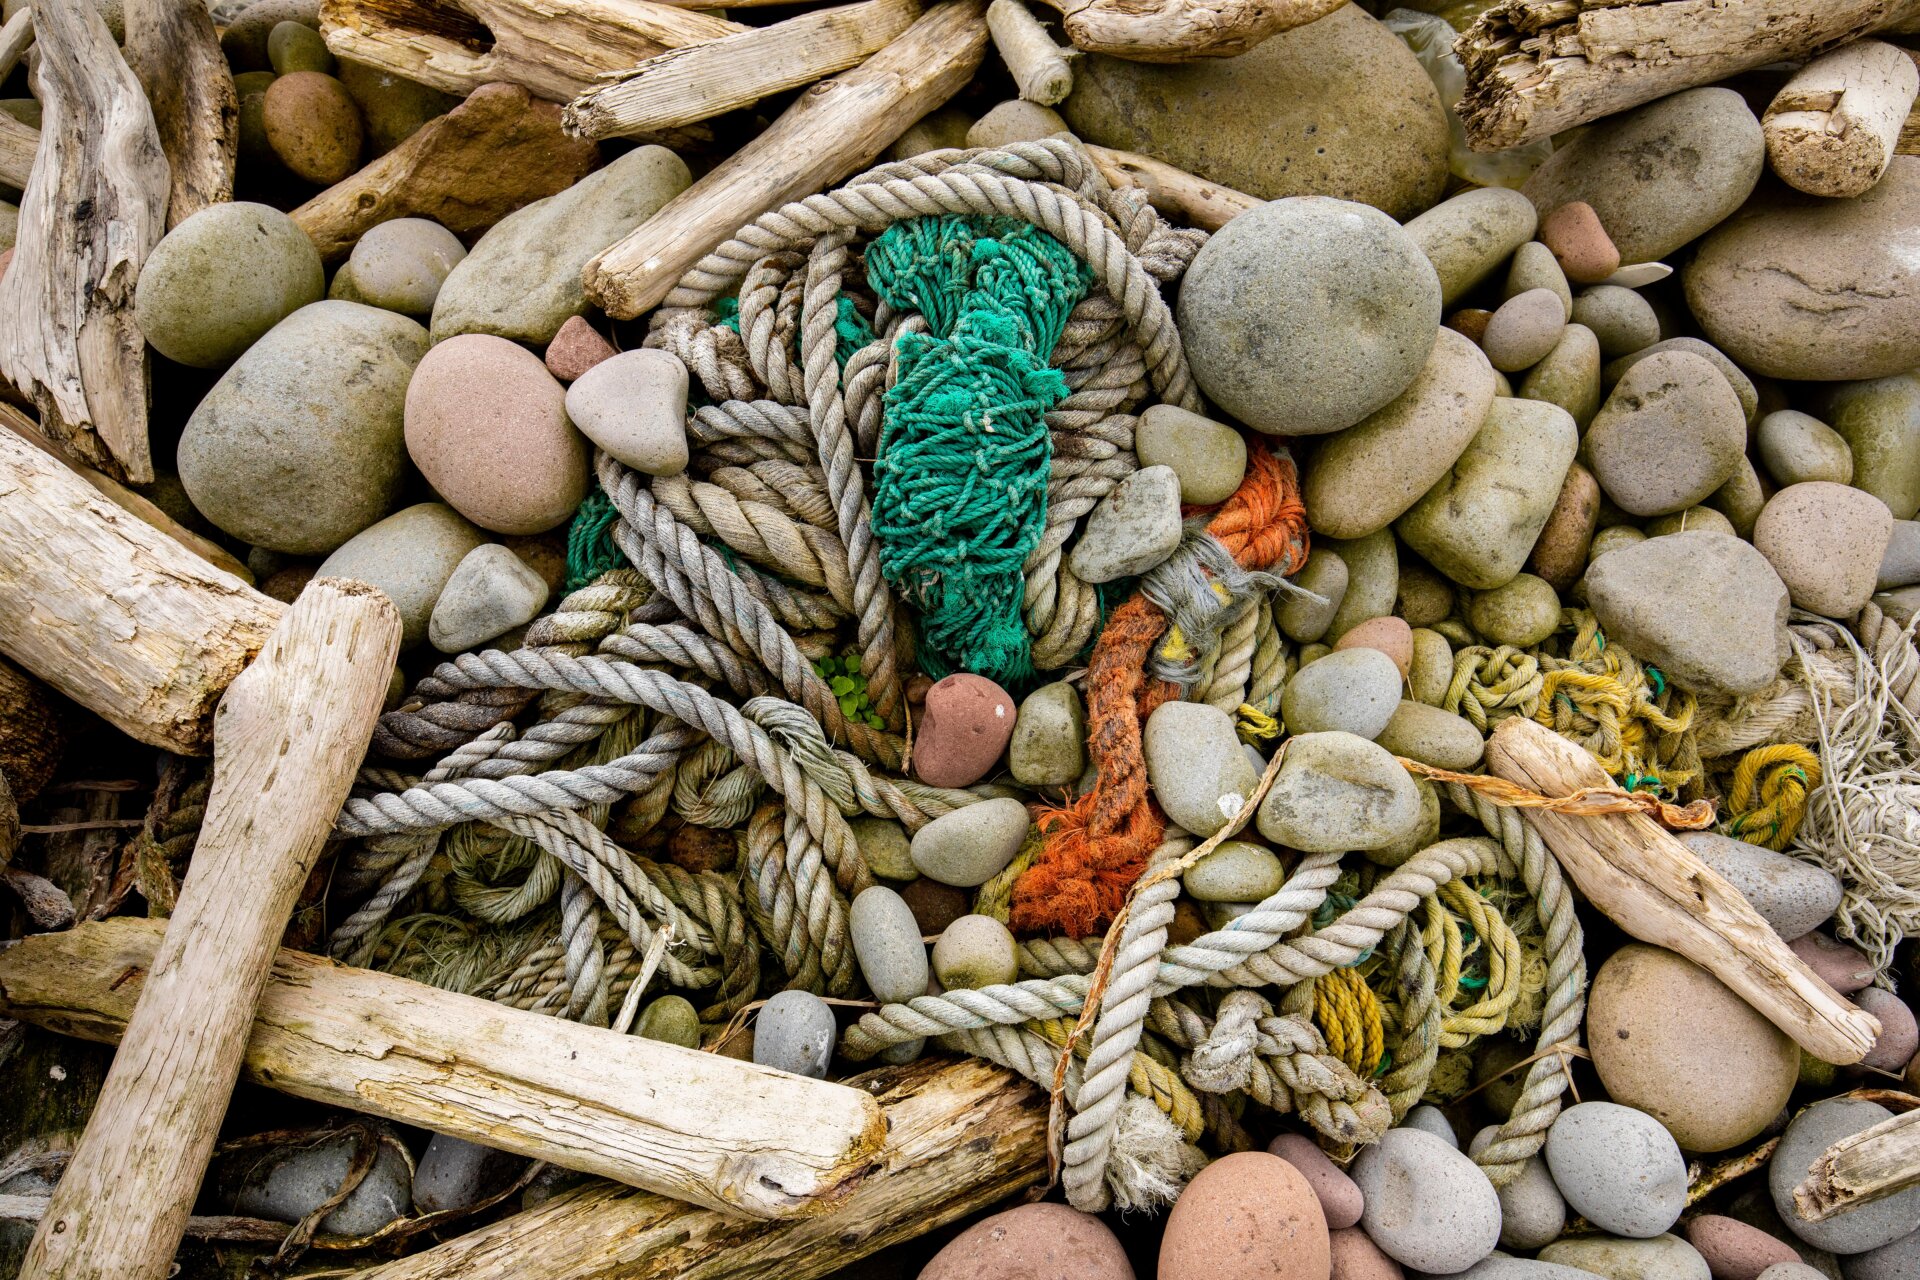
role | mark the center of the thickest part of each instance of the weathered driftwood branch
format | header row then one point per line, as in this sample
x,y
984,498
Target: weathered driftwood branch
x,y
1864,1167
1038,65
1535,67
172,48
32,733
557,48
701,81
499,150
1174,192
112,612
1182,30
19,143
95,205
961,1135
289,735
694,1126
1656,889
830,131
16,36
1832,129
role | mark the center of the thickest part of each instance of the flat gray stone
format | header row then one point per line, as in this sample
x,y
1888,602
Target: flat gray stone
x,y
886,941
287,1183
455,1174
1791,894
1337,792
1707,609
1532,1210
1195,765
1427,1205
1670,433
1132,529
1353,690
1618,1167
491,592
634,405
971,845
795,1032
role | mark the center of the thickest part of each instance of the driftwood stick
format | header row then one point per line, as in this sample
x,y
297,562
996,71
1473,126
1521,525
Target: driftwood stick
x,y
694,1126
1656,889
1038,65
1174,192
961,1135
1182,30
16,36
112,612
701,81
1535,67
830,131
1832,129
557,48
1864,1167
289,735
95,205
19,143
172,48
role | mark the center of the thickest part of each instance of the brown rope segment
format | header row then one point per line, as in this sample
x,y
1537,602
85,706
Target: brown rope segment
x,y
1587,802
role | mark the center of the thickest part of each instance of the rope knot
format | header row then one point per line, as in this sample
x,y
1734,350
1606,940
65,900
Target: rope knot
x,y
1224,1060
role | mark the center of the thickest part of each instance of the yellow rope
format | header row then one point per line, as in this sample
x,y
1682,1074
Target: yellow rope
x,y
995,897
1148,1078
1768,796
1348,1015
1490,1007
1490,684
1255,725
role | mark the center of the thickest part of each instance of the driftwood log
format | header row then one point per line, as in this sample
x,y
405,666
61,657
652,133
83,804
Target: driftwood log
x,y
112,612
32,733
1861,1168
498,151
172,48
557,48
95,205
1535,67
1038,65
16,36
698,1127
700,81
1659,891
19,143
961,1135
1182,30
1174,192
828,133
289,735
1832,129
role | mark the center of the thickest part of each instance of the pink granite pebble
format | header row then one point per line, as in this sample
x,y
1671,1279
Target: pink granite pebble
x,y
1838,965
575,349
1340,1199
1391,636
1733,1250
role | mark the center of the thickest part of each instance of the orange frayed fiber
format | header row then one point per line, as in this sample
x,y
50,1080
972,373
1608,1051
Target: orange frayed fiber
x,y
1097,846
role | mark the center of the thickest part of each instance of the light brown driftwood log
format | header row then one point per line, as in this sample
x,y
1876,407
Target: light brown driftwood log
x,y
1182,30
16,35
19,143
961,1135
290,734
1175,192
830,131
1659,891
32,732
1038,65
498,151
701,81
172,48
95,205
556,48
1832,129
112,612
1864,1167
694,1126
1535,67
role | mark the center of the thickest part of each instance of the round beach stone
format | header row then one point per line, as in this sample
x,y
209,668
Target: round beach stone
x,y
1580,243
1801,1271
1427,1205
1362,479
1733,1250
576,348
1340,1199
487,426
313,125
298,446
1416,838
1532,1210
1353,690
1622,321
1899,1033
886,941
1670,434
883,843
1373,580
1880,421
1840,966
400,265
1015,120
1195,766
1791,894
1524,330
1246,1216
1521,613
1430,1119
1432,668
1432,736
1669,1039
1743,388
795,1032
1391,636
935,905
456,1174
1049,743
1032,1242
1560,553
1237,871
1899,1260
217,282
1741,498
1804,288
671,1020
973,952
1468,236
1131,530
1533,268
392,107
1337,792
1337,107
1425,597
1568,375
1618,1167
1355,1257
491,592
1797,447
971,845
1855,1230
1707,609
1666,1257
1299,616
1900,563
1661,174
244,40
410,556
1825,540
295,46
1208,457
634,405
964,727
1305,315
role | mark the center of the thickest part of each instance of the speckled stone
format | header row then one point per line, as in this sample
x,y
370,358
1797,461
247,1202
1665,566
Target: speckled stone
x,y
410,556
972,844
1733,1250
1618,1168
1855,1230
1337,792
1432,669
1032,1242
1210,458
670,1020
1706,608
1355,690
1373,578
1622,321
491,592
1521,613
1791,894
1427,1205
1132,529
795,1032
974,951
1340,1200
1797,447
1468,236
1880,421
221,279
1532,1210
1840,966
1665,1257
883,843
1237,871
1195,765
1432,736
1668,436
634,405
1246,1216
1302,618
1568,375
1523,330
314,126
1825,540
1049,743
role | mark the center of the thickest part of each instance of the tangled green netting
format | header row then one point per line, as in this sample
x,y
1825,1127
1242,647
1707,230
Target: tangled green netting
x,y
960,487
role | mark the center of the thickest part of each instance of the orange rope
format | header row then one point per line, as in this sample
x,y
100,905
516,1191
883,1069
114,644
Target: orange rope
x,y
1097,846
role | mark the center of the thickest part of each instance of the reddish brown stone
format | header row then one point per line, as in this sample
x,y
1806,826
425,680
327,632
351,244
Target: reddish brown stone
x,y
1580,243
1033,1242
1391,636
935,905
1470,322
576,349
313,126
963,731
1735,1251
